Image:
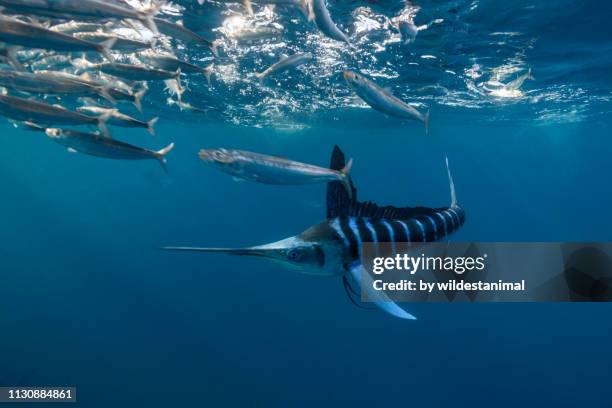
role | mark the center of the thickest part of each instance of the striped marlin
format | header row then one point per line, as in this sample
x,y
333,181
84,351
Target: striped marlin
x,y
333,247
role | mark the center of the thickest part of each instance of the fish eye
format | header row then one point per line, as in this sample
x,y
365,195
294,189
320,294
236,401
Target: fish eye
x,y
293,254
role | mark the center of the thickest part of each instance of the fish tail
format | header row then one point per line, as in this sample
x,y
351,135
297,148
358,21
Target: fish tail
x,y
208,72
150,125
104,91
426,122
148,16
214,48
161,156
303,7
81,64
452,186
105,47
138,99
248,6
177,78
177,75
310,6
345,178
102,119
13,60
261,76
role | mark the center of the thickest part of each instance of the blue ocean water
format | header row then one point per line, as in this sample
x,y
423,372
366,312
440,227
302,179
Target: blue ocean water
x,y
87,300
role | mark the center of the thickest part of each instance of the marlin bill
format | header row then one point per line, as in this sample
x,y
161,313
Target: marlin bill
x,y
95,144
333,247
273,170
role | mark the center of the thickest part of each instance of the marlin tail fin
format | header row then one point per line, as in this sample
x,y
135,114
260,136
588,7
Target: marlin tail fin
x,y
452,186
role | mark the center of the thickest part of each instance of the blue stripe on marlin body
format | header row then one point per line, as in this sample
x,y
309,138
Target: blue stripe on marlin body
x,y
334,247
364,230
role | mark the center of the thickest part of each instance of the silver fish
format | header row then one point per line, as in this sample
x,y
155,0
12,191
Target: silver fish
x,y
320,14
26,110
179,32
246,3
83,10
302,5
170,63
33,36
94,144
285,63
72,27
119,119
382,100
121,43
53,83
118,90
257,33
408,31
131,72
518,82
271,169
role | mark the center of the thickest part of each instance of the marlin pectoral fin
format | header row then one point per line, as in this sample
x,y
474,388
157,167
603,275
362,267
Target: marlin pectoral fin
x,y
352,293
381,300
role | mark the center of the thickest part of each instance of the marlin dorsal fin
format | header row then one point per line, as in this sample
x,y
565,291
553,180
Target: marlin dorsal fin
x,y
338,200
340,204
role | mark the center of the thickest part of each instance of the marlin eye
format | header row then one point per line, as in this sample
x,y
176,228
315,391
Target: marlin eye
x,y
293,255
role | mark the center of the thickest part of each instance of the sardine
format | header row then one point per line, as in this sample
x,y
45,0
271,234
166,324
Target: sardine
x,y
72,27
119,119
320,14
256,33
285,63
382,100
53,83
121,43
272,170
34,36
43,114
118,90
518,82
83,10
170,63
187,36
94,144
128,71
302,5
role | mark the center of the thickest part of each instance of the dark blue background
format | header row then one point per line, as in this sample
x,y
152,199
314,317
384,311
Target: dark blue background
x,y
86,300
